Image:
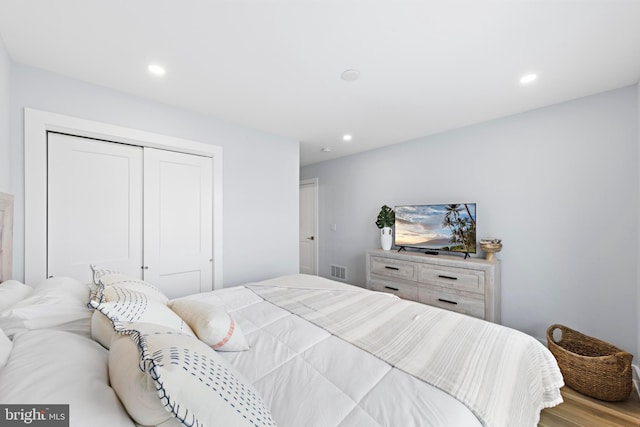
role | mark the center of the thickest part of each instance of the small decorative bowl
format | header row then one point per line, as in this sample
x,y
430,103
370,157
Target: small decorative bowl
x,y
490,250
490,240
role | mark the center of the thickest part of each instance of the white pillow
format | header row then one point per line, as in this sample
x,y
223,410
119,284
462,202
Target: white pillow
x,y
66,286
56,303
98,273
101,329
125,305
12,291
159,374
108,293
56,367
104,279
5,349
212,324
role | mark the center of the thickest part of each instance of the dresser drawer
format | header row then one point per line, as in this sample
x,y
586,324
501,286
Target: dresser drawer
x,y
402,290
452,301
454,278
394,268
469,286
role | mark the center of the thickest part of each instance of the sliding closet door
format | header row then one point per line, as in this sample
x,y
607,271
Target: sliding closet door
x,y
178,236
94,207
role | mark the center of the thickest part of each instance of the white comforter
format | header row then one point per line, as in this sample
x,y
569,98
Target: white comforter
x,y
311,377
504,376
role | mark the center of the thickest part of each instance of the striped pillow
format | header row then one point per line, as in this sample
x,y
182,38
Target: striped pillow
x,y
104,279
123,305
160,374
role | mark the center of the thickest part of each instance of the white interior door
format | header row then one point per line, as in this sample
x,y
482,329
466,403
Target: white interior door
x,y
178,222
309,227
94,207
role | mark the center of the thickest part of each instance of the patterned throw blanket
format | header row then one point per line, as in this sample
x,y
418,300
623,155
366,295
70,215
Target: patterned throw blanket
x,y
504,376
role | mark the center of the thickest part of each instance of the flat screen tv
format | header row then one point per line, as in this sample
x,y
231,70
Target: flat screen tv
x,y
436,227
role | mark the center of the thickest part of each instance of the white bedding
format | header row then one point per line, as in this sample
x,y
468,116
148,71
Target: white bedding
x,y
504,376
311,378
56,367
306,375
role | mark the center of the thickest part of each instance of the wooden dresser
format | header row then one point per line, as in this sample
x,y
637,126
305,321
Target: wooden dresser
x,y
470,286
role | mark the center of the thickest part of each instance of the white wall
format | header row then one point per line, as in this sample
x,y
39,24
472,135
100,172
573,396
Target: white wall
x,y
559,185
260,218
638,259
5,147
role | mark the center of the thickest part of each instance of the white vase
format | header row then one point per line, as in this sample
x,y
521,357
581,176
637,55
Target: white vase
x,y
385,238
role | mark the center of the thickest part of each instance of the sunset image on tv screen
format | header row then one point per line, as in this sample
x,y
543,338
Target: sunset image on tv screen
x,y
449,227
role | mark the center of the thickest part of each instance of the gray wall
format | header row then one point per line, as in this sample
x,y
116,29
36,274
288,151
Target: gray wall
x,y
5,147
260,218
559,185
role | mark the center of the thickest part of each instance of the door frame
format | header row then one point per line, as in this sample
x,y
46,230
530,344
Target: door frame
x,y
36,125
314,183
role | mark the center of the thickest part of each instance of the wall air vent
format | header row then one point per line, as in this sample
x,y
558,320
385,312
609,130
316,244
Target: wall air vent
x,y
338,272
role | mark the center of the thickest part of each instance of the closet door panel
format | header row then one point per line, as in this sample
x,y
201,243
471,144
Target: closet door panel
x,y
94,207
178,221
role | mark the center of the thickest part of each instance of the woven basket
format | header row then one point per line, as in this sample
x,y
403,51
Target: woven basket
x,y
591,366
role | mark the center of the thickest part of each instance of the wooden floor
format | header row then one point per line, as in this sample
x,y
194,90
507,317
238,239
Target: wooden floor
x,y
583,411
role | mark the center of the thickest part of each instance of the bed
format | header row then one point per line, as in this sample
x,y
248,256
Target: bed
x,y
291,351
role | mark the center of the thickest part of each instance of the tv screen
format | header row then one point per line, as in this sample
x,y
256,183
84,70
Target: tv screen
x,y
437,227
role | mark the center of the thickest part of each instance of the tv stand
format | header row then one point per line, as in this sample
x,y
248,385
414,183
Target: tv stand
x,y
402,248
470,286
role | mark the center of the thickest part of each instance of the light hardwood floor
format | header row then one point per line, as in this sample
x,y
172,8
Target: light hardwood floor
x,y
583,411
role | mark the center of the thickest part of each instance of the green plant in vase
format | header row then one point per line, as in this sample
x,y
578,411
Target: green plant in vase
x,y
386,220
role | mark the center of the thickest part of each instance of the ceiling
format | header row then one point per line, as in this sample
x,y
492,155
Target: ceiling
x,y
273,65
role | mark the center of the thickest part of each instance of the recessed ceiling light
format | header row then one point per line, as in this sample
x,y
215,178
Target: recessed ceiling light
x,y
350,75
528,78
347,137
326,149
156,69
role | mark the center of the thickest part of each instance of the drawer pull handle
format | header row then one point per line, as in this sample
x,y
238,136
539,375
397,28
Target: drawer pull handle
x,y
447,301
391,268
393,289
447,277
